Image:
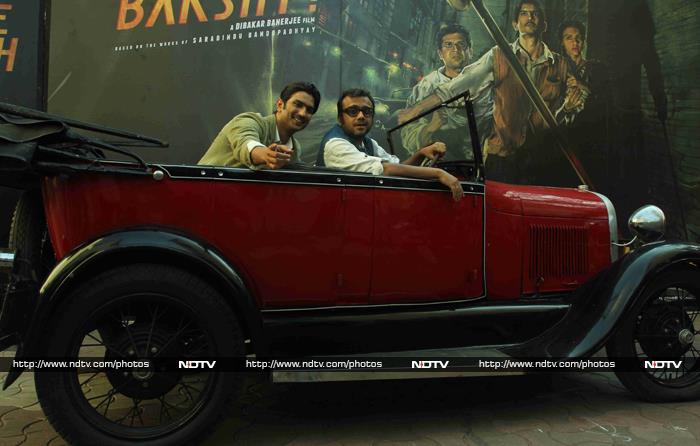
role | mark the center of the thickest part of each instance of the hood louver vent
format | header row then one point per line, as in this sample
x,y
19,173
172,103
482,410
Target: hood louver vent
x,y
558,251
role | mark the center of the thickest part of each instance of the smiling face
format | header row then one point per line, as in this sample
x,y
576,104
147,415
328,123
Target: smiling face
x,y
360,124
296,113
530,21
573,42
454,51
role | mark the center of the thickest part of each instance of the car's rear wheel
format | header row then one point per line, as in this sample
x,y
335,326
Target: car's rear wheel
x,y
662,326
29,238
34,259
131,313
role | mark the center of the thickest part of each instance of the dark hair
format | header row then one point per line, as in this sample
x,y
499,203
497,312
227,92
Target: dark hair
x,y
538,6
353,93
572,24
306,87
452,28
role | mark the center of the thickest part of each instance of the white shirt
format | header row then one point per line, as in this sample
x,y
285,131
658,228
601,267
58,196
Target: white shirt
x,y
340,153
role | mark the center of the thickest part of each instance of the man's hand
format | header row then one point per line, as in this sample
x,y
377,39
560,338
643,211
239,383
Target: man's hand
x,y
453,183
273,156
572,82
574,100
434,151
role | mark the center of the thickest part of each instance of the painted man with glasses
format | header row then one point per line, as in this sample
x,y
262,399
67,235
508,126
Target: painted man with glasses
x,y
454,48
515,141
347,146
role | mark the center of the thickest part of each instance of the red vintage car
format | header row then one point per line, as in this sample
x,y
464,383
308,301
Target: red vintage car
x,y
127,261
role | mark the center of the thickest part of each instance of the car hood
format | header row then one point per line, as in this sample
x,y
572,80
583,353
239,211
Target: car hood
x,y
544,201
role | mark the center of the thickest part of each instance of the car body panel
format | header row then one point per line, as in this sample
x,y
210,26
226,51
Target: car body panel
x,y
543,239
365,239
426,248
309,228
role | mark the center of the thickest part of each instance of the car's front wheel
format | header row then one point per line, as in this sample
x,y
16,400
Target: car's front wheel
x,y
133,313
658,341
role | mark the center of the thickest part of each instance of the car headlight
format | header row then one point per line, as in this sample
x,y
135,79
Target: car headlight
x,y
648,223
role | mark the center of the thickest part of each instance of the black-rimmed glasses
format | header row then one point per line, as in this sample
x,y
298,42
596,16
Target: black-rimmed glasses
x,y
354,111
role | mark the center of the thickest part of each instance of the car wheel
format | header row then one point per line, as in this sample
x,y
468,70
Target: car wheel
x,y
662,326
34,259
138,312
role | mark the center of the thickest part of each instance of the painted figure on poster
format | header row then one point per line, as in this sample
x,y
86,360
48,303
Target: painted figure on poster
x,y
347,146
590,132
454,48
573,40
517,130
257,141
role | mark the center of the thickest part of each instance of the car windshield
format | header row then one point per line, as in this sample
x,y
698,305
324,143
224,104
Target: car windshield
x,y
448,124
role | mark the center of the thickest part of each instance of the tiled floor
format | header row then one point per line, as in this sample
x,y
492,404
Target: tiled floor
x,y
562,409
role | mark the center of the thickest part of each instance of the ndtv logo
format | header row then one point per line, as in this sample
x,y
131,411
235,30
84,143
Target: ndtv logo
x,y
662,364
196,364
429,364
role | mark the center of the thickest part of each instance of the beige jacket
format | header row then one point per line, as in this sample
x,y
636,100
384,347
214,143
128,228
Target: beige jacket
x,y
230,147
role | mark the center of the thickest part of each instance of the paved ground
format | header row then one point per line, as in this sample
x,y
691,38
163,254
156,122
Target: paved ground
x,y
565,409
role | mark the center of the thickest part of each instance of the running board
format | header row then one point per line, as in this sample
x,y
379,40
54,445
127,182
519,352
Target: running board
x,y
407,372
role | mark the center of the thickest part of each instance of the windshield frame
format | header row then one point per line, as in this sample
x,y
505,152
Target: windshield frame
x,y
473,132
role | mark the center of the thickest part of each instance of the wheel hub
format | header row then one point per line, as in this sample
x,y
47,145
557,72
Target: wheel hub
x,y
142,342
665,331
142,374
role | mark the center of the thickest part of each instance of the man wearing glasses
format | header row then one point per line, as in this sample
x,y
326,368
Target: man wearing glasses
x,y
454,48
517,127
347,146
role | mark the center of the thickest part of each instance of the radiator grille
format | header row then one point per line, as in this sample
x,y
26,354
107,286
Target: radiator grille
x,y
558,251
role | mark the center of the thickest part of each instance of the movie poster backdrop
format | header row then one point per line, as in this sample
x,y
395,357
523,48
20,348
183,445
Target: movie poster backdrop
x,y
180,69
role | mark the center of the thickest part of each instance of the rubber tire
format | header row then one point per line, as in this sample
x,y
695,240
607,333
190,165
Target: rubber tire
x,y
34,260
54,391
34,255
621,345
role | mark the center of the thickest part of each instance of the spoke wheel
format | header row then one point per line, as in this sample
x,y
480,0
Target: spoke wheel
x,y
663,325
130,314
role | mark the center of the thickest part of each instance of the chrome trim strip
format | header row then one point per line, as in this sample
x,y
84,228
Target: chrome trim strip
x,y
217,174
482,310
612,223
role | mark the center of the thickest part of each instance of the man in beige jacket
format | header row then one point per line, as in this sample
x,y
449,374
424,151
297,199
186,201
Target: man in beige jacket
x,y
256,141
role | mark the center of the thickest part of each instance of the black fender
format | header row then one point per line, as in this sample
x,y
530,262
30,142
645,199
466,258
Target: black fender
x,y
599,305
155,245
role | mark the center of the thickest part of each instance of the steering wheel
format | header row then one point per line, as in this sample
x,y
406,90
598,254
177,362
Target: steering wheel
x,y
427,162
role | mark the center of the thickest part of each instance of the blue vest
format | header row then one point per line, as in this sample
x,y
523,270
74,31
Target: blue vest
x,y
337,132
